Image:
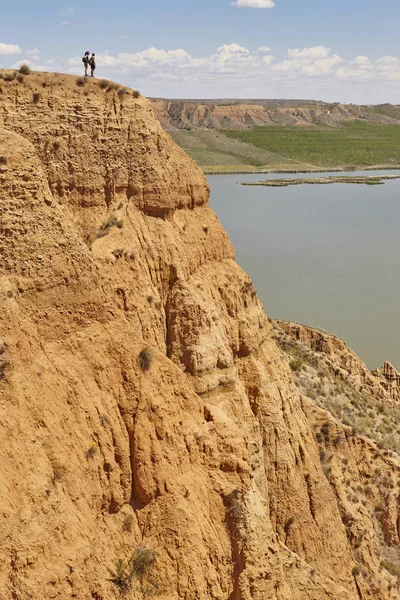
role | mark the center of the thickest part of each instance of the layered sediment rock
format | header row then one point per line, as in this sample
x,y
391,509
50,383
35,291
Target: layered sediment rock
x,y
143,399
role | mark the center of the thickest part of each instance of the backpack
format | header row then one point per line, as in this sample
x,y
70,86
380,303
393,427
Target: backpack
x,y
85,59
91,61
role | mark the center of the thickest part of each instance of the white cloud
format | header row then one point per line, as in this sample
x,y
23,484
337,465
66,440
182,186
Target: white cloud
x,y
64,23
253,3
236,71
33,54
6,49
21,62
309,53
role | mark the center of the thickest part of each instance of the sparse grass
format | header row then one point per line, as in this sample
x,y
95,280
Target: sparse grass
x,y
80,82
112,86
92,451
24,69
128,523
296,364
103,83
146,358
122,91
58,473
391,567
138,567
136,94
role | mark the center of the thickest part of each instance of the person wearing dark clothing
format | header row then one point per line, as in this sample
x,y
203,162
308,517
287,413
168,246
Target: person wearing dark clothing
x,y
85,61
92,63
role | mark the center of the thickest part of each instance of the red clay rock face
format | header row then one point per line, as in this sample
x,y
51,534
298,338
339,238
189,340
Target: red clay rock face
x,y
143,399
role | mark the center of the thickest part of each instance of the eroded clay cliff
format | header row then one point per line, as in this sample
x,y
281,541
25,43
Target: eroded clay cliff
x,y
186,114
144,402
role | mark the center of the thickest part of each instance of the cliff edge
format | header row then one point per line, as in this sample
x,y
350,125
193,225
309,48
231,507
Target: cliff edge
x,y
154,439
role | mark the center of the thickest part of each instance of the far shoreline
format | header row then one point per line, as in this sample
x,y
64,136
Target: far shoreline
x,y
222,170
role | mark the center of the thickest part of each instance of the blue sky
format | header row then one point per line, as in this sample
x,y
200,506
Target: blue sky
x,y
345,50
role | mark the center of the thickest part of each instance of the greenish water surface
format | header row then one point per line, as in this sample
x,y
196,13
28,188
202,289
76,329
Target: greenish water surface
x,y
325,256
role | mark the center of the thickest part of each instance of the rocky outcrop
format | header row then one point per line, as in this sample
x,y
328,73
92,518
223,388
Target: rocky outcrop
x,y
186,114
145,406
389,378
381,384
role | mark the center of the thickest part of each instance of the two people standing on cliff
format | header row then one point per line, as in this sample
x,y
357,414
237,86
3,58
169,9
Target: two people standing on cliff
x,y
89,61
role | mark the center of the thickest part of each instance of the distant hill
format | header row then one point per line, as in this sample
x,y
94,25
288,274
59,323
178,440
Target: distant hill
x,y
241,114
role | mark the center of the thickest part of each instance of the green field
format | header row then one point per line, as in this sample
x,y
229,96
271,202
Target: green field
x,y
285,147
354,144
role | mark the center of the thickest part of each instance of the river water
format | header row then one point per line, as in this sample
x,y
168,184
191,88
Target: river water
x,y
324,255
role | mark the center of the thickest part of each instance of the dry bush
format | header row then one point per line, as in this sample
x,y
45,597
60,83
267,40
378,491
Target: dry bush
x,y
24,69
146,358
9,76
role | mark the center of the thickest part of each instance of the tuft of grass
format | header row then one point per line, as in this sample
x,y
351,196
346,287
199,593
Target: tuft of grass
x,y
128,523
91,451
3,160
80,82
296,364
36,97
103,83
20,78
58,473
122,91
288,525
24,69
139,567
146,358
136,94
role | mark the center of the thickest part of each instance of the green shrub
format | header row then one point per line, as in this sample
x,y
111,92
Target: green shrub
x,y
296,364
24,70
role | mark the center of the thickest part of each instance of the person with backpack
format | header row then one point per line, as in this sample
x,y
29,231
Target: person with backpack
x,y
86,61
92,63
